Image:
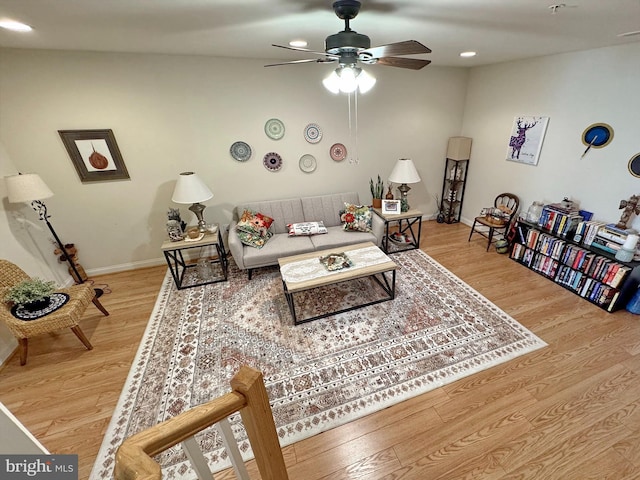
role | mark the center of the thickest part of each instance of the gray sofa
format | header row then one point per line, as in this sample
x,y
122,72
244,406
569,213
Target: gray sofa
x,y
323,208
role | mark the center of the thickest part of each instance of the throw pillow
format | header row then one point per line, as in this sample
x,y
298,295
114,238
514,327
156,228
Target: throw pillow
x,y
253,228
252,239
306,228
356,218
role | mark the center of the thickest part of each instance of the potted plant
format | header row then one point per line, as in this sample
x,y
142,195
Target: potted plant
x,y
377,189
32,294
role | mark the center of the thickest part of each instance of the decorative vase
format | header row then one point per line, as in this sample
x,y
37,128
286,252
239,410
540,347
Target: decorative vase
x,y
440,217
389,195
377,203
37,304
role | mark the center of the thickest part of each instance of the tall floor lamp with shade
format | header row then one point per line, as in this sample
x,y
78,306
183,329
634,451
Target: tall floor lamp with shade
x,y
29,187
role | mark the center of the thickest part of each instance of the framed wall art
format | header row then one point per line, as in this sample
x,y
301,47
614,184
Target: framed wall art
x,y
95,155
390,206
526,139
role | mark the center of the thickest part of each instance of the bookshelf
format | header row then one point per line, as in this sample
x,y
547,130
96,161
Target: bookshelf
x,y
453,184
590,273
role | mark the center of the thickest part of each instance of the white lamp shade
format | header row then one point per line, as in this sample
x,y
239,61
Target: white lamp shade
x,y
190,189
26,188
332,82
404,172
366,81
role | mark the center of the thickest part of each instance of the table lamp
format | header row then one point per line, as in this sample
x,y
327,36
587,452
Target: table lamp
x,y
191,189
29,187
404,172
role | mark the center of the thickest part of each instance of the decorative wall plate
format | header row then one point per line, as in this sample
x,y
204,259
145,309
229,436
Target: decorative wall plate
x,y
272,161
312,133
634,165
240,151
597,135
274,128
308,163
338,152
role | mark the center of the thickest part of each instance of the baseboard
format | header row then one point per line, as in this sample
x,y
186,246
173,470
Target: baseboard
x,y
123,267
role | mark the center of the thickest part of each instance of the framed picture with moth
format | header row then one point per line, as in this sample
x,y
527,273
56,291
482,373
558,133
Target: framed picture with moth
x,y
94,154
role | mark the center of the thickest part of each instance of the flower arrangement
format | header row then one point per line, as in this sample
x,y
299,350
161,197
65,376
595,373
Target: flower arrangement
x,y
31,290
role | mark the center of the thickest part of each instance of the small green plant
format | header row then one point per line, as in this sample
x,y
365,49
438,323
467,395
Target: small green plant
x,y
30,290
376,188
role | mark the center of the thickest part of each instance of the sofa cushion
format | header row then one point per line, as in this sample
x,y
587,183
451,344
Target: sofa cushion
x,y
254,222
280,245
338,237
327,207
306,228
253,228
282,211
356,217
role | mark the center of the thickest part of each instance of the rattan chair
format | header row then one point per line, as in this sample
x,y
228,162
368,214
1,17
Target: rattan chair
x,y
68,316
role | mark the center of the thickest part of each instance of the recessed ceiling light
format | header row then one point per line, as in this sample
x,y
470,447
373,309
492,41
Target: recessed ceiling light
x,y
15,26
468,54
298,43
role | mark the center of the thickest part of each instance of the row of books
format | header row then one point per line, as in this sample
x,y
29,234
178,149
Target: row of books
x,y
587,287
558,220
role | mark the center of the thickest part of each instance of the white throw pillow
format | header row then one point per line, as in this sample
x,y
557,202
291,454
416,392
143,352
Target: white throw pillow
x,y
306,228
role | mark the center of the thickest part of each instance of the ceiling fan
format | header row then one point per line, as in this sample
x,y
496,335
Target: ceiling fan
x,y
348,47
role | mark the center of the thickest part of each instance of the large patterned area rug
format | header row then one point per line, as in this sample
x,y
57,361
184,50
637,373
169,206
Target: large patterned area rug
x,y
319,374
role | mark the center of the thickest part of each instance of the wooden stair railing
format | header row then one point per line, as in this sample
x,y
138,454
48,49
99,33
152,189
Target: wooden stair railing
x,y
249,397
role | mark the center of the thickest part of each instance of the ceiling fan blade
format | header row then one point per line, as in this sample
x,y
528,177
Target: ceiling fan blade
x,y
408,47
305,50
412,63
307,60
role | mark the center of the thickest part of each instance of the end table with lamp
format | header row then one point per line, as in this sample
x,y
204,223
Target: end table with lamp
x,y
187,274
407,235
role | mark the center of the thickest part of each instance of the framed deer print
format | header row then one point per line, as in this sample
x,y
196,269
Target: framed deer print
x,y
526,139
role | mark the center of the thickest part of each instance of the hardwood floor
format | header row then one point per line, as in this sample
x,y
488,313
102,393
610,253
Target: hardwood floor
x,y
568,411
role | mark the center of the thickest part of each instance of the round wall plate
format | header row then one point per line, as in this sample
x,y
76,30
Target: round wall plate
x,y
634,165
240,151
338,152
312,133
597,135
272,161
308,163
274,129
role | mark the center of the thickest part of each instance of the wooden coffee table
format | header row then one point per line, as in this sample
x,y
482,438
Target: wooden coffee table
x,y
304,272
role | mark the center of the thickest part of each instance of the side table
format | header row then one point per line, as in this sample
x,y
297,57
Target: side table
x,y
178,267
406,223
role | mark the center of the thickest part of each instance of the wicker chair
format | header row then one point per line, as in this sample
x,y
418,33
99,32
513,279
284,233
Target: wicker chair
x,y
487,226
67,316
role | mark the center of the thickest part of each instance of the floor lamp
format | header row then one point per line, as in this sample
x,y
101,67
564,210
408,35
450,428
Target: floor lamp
x,y
31,188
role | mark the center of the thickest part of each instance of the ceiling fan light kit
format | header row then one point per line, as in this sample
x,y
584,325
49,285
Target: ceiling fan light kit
x,y
347,79
349,47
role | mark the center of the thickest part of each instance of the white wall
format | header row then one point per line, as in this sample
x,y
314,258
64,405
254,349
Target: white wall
x,y
176,113
575,90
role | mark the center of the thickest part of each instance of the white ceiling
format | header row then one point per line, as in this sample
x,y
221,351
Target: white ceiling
x,y
499,30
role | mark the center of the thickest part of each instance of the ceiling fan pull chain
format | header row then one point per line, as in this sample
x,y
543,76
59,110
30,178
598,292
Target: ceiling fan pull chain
x,y
355,104
350,132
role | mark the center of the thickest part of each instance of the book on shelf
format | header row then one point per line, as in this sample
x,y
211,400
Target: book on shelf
x,y
591,229
612,237
606,245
